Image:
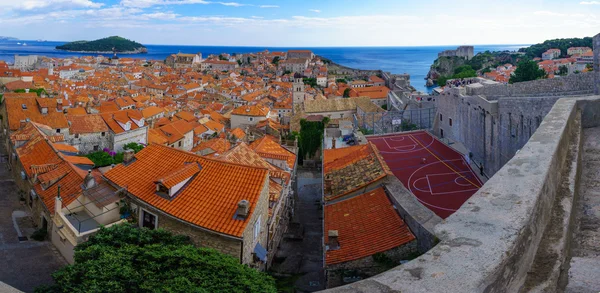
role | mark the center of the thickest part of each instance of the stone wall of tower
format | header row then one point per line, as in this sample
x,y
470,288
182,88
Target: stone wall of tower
x,y
298,91
597,64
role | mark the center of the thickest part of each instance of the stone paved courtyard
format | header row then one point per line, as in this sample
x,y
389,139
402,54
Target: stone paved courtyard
x,y
303,258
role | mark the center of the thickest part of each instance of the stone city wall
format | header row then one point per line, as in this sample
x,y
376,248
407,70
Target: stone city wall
x,y
575,84
490,243
493,130
596,72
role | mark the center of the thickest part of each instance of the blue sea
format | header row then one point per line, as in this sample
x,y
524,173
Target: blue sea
x,y
412,60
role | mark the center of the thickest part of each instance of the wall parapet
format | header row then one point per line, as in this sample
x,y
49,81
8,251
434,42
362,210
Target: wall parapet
x,y
575,84
490,243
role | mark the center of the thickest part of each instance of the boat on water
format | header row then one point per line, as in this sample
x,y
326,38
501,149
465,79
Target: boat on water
x,y
18,43
24,44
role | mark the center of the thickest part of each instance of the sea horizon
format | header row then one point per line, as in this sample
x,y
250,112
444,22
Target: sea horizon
x,y
414,60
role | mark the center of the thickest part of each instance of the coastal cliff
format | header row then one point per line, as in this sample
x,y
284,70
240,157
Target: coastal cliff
x,y
452,67
105,46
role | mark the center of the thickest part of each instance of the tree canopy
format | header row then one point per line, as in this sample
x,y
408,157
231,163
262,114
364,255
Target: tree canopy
x,y
464,71
124,258
562,44
37,91
347,92
311,136
104,45
310,81
527,70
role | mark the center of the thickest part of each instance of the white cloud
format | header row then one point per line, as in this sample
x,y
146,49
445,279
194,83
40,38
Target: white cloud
x,y
552,13
150,3
159,15
269,6
590,3
48,4
315,10
233,4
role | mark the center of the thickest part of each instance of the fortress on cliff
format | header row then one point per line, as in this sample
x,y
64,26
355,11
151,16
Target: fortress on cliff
x,y
462,51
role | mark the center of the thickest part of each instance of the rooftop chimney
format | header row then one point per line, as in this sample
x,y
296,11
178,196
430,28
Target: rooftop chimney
x,y
328,180
89,180
243,208
128,156
333,243
57,201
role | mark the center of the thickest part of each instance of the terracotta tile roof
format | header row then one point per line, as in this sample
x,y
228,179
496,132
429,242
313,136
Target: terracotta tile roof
x,y
200,129
366,224
39,156
266,147
214,126
151,111
209,200
218,145
170,133
177,176
65,148
253,110
76,111
78,160
238,133
373,92
18,84
107,107
187,116
155,136
244,155
114,118
92,123
183,126
16,113
351,168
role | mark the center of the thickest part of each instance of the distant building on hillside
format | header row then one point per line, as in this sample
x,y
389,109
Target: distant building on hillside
x,y
462,51
578,50
180,60
300,54
551,54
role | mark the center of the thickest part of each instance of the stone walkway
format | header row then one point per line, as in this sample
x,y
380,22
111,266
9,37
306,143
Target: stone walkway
x,y
24,265
302,258
584,271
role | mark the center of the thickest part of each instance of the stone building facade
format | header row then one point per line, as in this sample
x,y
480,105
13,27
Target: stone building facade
x,y
91,142
119,140
25,62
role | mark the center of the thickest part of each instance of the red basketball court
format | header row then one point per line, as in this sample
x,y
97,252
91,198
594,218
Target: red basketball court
x,y
436,174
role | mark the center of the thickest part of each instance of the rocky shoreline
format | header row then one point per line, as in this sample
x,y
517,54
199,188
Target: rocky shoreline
x,y
138,51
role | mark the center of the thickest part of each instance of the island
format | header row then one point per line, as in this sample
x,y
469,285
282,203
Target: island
x,y
2,38
105,46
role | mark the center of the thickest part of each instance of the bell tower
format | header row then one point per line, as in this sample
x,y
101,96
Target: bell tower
x,y
298,89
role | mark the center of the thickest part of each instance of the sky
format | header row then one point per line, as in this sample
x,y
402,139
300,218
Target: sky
x,y
308,23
